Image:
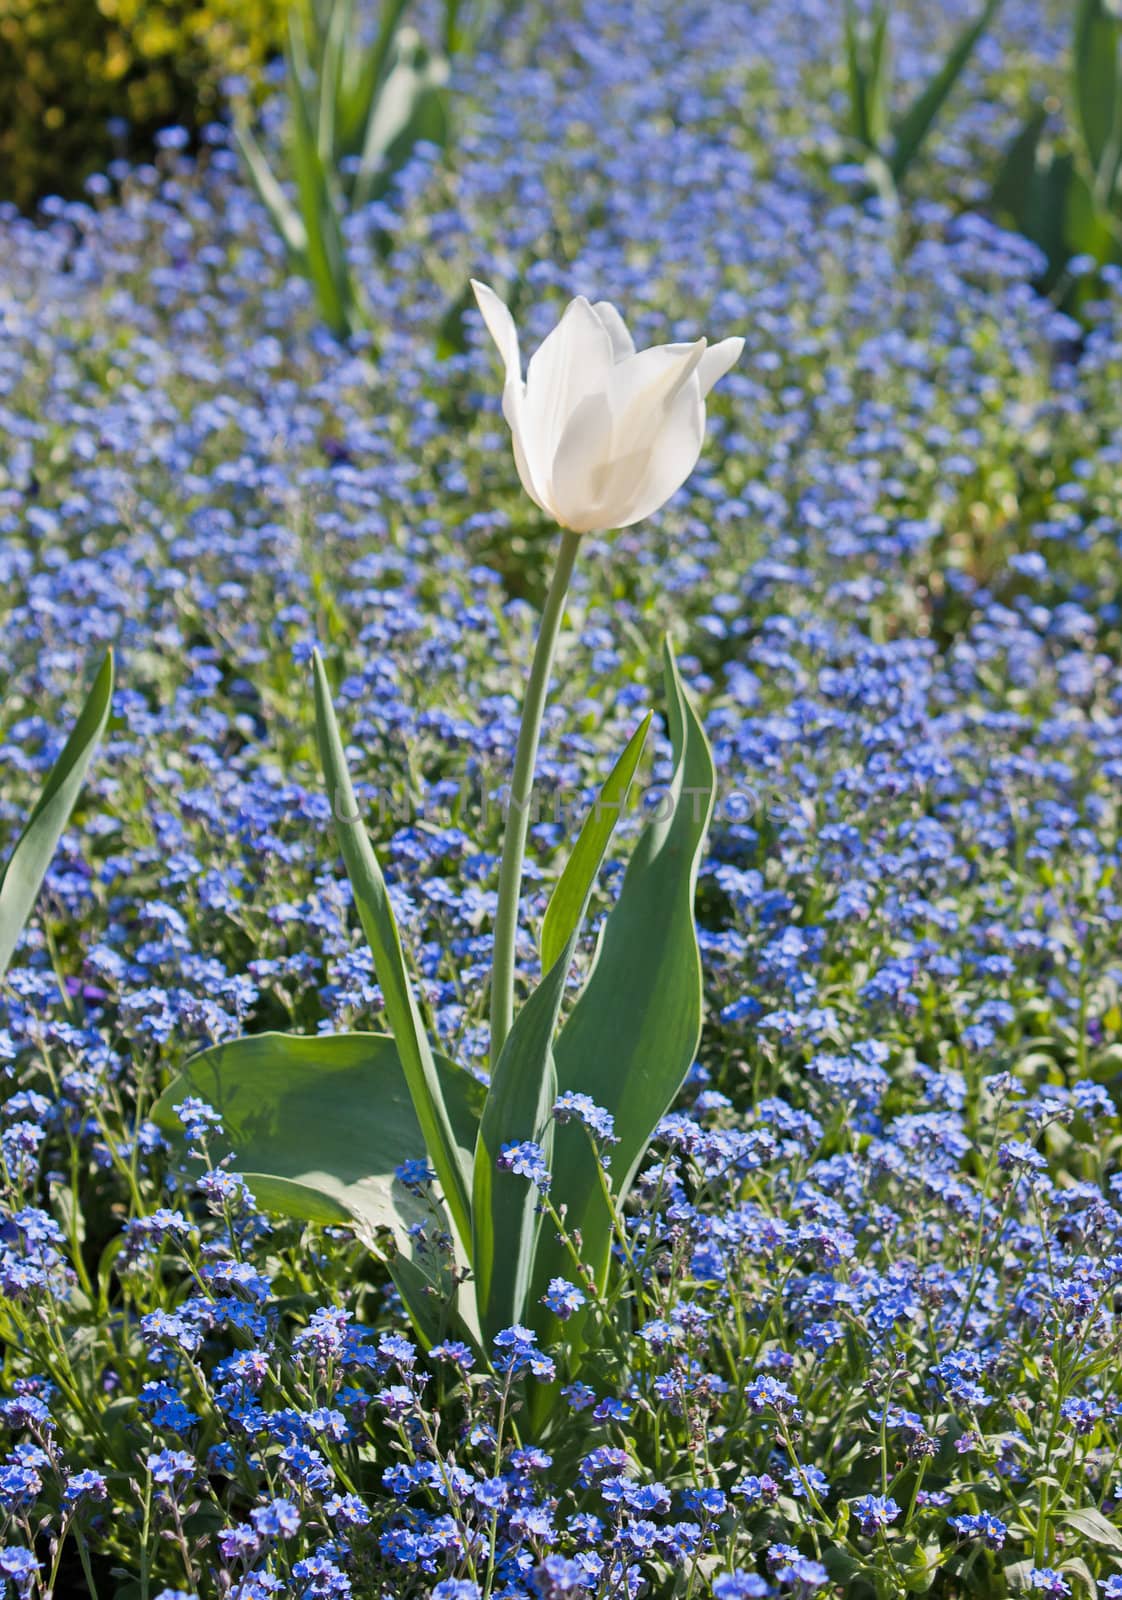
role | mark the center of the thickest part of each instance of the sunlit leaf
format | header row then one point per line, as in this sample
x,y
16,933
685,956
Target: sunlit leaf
x,y
282,213
570,895
27,864
505,1218
380,927
916,123
319,1127
633,1033
1097,92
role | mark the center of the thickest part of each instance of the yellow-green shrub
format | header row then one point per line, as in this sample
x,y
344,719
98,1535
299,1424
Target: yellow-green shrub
x,y
67,67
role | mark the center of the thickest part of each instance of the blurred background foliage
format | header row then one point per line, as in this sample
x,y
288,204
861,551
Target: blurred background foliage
x,y
84,80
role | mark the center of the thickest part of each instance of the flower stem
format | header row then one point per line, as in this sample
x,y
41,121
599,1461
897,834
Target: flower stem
x,y
521,785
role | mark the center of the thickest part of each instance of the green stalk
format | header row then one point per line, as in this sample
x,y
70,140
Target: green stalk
x,y
521,785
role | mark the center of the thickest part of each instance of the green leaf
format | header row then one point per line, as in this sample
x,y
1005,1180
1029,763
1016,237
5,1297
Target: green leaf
x,y
27,865
1034,189
380,927
519,1105
570,896
633,1033
1091,1523
867,68
325,251
361,86
1018,171
411,105
1081,1575
916,123
838,1562
1089,229
1097,92
282,213
319,1127
504,1206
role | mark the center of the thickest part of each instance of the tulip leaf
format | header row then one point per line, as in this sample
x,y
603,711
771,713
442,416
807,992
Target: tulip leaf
x,y
27,865
505,1216
411,105
325,249
282,213
916,123
1098,91
380,926
319,1126
359,91
570,896
633,1033
867,67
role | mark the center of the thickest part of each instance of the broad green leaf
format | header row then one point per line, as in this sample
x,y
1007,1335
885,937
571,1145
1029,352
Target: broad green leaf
x,y
1083,1580
519,1104
319,1126
1091,1523
633,1033
380,926
570,896
1097,91
914,126
282,213
27,865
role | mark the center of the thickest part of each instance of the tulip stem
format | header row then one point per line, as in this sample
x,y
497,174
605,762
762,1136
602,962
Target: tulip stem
x,y
521,787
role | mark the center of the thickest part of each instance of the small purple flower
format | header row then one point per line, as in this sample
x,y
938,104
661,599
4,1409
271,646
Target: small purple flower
x,y
739,1585
169,1466
582,1108
874,1512
1049,1582
526,1160
563,1298
981,1525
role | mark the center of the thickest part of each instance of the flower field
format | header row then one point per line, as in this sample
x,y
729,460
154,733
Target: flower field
x,y
855,1331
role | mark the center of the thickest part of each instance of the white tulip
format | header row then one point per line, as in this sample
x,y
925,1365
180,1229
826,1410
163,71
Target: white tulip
x,y
603,434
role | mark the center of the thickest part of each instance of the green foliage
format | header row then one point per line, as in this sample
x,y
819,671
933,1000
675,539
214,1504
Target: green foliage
x,y
69,67
380,927
27,865
634,1030
1059,184
505,1209
321,1126
890,146
355,115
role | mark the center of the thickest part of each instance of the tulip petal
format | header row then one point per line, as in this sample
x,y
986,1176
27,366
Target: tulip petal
x,y
716,362
500,325
581,466
572,362
672,454
623,345
644,385
514,410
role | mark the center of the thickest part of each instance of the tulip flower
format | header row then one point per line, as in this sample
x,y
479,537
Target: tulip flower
x,y
603,434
